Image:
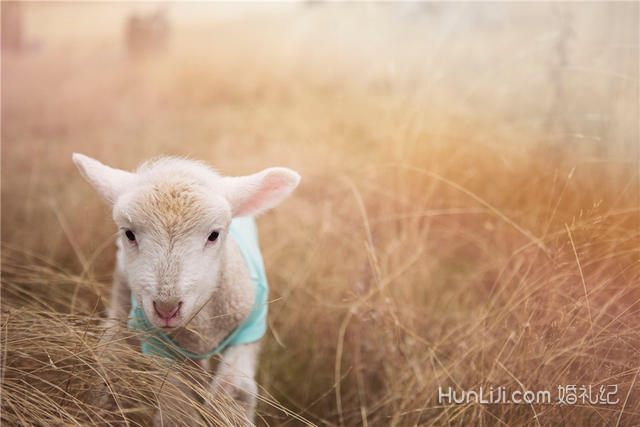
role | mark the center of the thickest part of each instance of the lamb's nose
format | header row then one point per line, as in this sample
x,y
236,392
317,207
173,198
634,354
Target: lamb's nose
x,y
167,309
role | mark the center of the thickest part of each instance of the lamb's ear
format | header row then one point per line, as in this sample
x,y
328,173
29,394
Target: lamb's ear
x,y
108,182
253,194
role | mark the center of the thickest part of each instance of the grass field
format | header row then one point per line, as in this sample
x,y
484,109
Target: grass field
x,y
468,216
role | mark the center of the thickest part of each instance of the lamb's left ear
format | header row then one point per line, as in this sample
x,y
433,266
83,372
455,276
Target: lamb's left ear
x,y
108,182
253,194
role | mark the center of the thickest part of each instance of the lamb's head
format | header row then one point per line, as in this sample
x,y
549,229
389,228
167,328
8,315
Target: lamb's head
x,y
173,217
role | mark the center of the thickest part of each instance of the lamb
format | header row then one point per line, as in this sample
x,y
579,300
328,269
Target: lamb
x,y
189,275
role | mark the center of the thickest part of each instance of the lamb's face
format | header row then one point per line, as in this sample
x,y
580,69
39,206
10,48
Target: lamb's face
x,y
173,216
171,239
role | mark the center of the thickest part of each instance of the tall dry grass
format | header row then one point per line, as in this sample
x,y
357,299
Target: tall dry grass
x,y
469,213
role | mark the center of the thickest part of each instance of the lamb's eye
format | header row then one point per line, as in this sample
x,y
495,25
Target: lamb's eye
x,y
130,235
213,236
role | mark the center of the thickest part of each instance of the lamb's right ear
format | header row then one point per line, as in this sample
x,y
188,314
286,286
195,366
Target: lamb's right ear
x,y
108,182
253,194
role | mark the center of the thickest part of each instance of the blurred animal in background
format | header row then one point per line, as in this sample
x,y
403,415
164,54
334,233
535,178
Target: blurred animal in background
x,y
12,26
147,34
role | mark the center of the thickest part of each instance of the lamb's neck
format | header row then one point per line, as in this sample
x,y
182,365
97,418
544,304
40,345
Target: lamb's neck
x,y
229,305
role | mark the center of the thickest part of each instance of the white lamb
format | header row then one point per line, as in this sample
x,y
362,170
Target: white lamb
x,y
188,256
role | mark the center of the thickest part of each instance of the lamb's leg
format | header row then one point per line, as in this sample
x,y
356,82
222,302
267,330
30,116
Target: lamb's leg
x,y
235,378
177,400
101,395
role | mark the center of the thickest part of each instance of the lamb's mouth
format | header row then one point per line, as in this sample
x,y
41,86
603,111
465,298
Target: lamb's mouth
x,y
167,318
168,324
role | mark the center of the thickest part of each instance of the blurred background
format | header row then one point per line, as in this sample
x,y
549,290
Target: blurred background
x,y
310,85
469,184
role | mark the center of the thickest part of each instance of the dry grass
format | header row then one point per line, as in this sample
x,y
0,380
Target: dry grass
x,y
469,213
